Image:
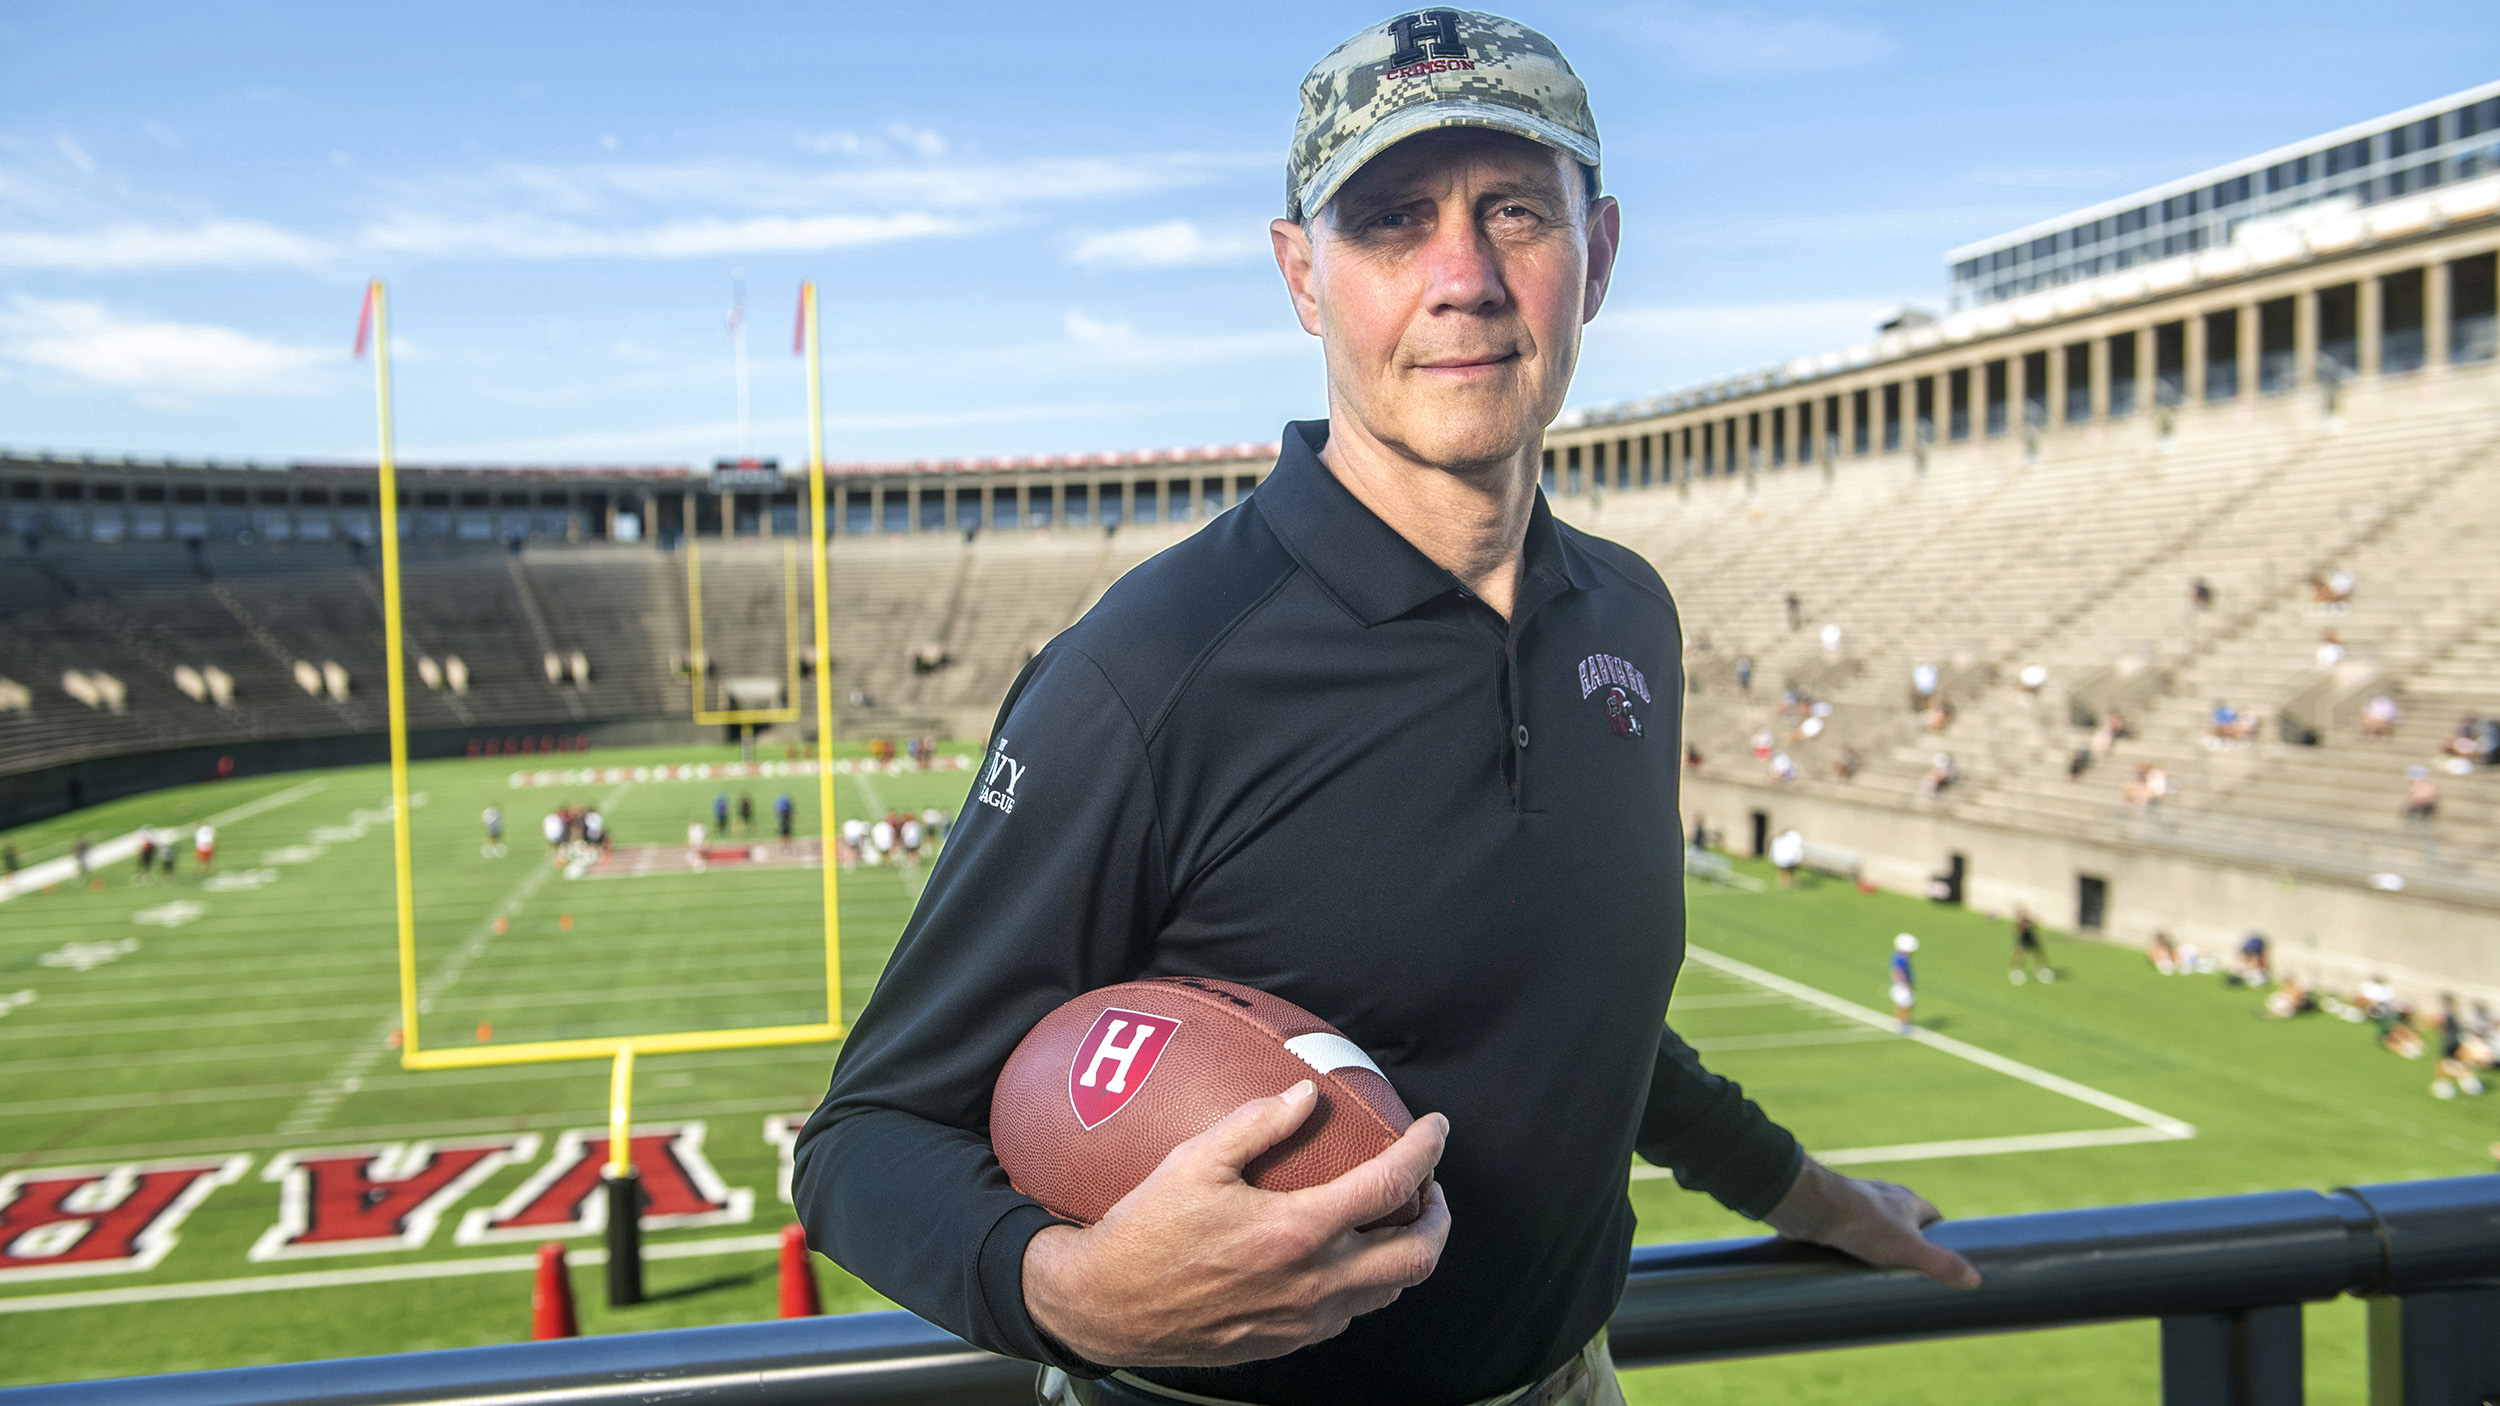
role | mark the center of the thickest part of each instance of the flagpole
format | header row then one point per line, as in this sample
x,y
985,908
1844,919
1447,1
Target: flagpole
x,y
395,670
824,649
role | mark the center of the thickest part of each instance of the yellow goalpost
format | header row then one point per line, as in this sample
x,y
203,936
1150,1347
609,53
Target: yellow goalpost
x,y
714,717
624,1255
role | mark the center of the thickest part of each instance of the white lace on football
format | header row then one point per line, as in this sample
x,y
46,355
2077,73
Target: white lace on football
x,y
1325,1051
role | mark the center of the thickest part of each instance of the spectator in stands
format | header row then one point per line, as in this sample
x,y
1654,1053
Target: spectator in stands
x,y
2290,999
1783,767
2421,795
1831,639
1922,685
2148,789
2164,953
2252,969
1692,757
1939,715
1744,673
2330,649
2379,716
2032,679
2231,727
2111,731
1763,741
1941,774
2030,959
1788,850
2079,763
2202,594
1795,614
2331,595
1904,981
2473,740
1846,768
2456,1074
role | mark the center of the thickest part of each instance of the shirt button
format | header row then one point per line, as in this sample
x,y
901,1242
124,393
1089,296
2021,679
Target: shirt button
x,y
1521,734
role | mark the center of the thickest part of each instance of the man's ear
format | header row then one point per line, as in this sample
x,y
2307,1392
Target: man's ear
x,y
1293,260
1605,238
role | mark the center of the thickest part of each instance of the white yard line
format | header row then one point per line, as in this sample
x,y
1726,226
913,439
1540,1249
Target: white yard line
x,y
2168,1126
351,1071
121,847
1743,998
378,1274
1963,1147
1788,1039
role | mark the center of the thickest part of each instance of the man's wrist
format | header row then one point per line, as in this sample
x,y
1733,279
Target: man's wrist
x,y
1805,1212
1049,1269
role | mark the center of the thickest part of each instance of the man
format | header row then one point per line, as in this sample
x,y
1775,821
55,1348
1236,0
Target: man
x,y
1394,617
1788,850
492,818
782,813
2030,958
203,848
1904,981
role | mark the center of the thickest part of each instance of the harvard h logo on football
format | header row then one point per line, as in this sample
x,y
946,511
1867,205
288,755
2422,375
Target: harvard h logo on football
x,y
1112,1062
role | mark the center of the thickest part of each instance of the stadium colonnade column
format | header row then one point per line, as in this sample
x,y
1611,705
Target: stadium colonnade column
x,y
2192,339
2367,306
2304,338
2436,300
2096,368
2252,370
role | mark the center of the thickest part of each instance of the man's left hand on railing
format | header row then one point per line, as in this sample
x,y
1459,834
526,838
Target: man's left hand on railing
x,y
1875,1221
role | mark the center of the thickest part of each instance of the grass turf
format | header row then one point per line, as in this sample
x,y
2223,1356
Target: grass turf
x,y
259,1023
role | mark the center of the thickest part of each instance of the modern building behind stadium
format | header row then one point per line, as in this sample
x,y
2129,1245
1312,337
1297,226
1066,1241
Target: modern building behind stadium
x,y
1963,603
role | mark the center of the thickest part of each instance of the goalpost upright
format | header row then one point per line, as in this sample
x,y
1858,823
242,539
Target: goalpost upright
x,y
623,1228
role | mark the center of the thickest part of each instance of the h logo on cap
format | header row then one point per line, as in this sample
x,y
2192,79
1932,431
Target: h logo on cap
x,y
1425,34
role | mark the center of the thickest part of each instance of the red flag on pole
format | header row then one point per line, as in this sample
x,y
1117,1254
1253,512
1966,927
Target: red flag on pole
x,y
364,321
798,335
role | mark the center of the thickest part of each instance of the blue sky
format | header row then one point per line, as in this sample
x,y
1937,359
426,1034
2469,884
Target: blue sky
x,y
1037,229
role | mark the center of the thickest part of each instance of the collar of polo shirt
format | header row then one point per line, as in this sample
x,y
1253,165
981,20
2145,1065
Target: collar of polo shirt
x,y
1365,564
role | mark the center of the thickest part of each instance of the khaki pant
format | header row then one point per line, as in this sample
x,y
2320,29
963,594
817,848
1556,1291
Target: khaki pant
x,y
1586,1380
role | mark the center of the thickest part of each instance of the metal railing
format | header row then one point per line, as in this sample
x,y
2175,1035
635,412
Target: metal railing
x,y
2226,1276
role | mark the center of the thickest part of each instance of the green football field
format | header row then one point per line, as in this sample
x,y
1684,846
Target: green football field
x,y
226,1043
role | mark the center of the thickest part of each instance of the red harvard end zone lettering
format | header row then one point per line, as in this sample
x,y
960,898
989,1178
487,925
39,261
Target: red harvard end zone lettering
x,y
361,1200
63,1221
563,1197
1113,1060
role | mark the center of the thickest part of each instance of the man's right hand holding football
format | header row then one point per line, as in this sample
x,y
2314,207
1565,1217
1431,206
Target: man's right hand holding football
x,y
1198,1268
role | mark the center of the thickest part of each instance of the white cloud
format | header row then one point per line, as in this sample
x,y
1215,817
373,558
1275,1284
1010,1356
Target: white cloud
x,y
1121,342
160,359
1744,40
75,155
1765,235
1632,352
1172,244
132,247
515,236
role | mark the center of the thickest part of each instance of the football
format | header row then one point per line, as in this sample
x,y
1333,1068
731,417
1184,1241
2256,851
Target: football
x,y
1106,1085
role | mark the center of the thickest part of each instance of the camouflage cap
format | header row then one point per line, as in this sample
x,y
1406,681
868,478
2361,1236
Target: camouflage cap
x,y
1428,69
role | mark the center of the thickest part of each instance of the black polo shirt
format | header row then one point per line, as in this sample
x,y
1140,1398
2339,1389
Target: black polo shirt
x,y
1293,752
